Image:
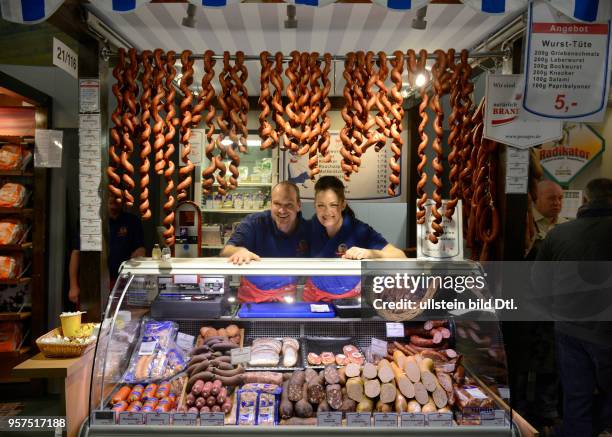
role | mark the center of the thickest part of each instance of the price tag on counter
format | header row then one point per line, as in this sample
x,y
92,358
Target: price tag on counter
x,y
329,418
504,392
408,420
103,417
395,329
157,419
184,341
184,419
385,420
319,308
129,418
379,347
493,418
359,420
212,419
440,419
241,355
147,347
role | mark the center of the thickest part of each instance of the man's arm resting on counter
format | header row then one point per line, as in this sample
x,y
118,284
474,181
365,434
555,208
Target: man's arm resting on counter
x,y
238,255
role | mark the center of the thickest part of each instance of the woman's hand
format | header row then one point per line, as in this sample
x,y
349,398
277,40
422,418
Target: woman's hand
x,y
358,253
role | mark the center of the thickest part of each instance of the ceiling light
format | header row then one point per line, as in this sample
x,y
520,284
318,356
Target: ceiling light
x,y
190,20
419,22
291,22
420,80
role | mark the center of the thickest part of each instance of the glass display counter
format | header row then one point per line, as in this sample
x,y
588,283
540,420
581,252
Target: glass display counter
x,y
177,351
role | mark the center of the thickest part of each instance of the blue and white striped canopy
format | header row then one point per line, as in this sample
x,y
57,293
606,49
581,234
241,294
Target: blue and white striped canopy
x,y
34,11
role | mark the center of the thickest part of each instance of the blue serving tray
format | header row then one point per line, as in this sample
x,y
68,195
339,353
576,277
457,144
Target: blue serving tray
x,y
282,311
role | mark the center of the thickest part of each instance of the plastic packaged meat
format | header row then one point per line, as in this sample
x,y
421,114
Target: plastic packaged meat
x,y
10,266
12,195
11,156
11,231
11,336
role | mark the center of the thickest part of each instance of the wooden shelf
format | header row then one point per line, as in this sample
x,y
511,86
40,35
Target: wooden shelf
x,y
15,354
22,246
15,281
28,211
26,173
231,210
8,317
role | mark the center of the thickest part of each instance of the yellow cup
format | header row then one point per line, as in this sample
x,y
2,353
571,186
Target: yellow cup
x,y
71,323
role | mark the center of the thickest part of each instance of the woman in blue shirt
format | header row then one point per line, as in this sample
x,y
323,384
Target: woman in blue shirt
x,y
336,232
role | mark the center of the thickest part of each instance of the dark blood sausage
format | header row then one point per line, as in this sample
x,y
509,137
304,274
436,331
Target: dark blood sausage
x,y
334,396
315,391
286,406
296,383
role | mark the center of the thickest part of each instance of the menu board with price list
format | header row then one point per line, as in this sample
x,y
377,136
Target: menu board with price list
x,y
369,183
566,71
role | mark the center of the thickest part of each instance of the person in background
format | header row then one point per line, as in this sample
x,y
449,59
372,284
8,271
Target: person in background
x,y
337,233
126,241
548,205
280,232
573,270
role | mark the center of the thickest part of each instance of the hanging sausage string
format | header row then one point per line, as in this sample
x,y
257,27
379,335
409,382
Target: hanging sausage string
x,y
147,118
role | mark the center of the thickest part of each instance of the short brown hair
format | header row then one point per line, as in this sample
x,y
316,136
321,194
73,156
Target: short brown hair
x,y
288,184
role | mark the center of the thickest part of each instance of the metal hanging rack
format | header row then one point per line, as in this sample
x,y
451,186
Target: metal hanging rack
x,y
108,54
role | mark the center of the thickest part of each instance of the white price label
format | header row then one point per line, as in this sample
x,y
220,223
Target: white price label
x,y
493,418
240,355
184,419
129,418
319,308
65,58
408,420
359,420
184,341
395,329
157,419
329,418
475,392
147,347
212,419
89,96
379,347
504,392
440,419
385,420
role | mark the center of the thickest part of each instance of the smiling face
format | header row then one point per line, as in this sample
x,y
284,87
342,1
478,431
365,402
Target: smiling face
x,y
285,207
329,209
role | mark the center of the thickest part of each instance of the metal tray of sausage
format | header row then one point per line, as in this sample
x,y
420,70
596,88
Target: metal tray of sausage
x,y
318,345
279,367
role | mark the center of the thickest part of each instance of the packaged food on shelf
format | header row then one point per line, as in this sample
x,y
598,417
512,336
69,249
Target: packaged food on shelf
x,y
149,398
13,156
10,266
12,195
11,336
11,230
156,355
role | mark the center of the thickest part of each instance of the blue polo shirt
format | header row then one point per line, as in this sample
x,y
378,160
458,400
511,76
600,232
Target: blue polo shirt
x,y
125,236
353,233
258,233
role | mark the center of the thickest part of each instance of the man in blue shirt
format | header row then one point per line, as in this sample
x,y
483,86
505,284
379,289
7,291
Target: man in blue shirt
x,y
280,232
125,239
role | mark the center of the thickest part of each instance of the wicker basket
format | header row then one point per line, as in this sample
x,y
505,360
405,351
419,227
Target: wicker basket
x,y
54,350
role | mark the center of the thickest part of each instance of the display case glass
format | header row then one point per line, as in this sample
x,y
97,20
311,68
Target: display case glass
x,y
159,309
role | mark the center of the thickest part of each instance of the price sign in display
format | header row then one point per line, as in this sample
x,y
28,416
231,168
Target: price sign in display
x,y
329,418
395,329
103,417
566,66
212,419
385,420
409,420
240,355
440,419
184,419
493,418
359,420
157,419
129,418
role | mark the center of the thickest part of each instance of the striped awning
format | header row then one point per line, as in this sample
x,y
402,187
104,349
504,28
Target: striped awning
x,y
34,11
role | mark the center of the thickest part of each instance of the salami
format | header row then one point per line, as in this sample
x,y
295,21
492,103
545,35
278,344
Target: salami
x,y
316,392
334,396
314,359
331,375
